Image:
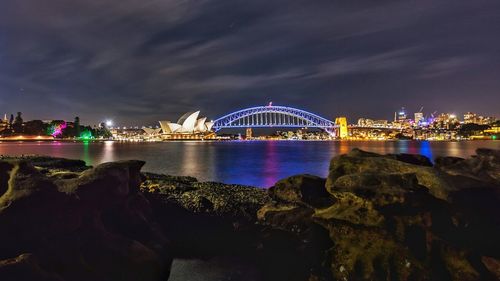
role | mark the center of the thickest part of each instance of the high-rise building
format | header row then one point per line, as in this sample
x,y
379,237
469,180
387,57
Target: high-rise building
x,y
419,117
470,117
402,115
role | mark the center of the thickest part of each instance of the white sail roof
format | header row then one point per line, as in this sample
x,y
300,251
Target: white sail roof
x,y
188,123
209,125
164,127
200,125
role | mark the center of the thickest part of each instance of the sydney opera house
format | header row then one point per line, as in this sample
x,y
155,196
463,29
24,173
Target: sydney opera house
x,y
189,126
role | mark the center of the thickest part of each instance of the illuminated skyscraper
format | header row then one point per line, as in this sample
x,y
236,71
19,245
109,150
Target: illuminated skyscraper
x,y
419,117
402,115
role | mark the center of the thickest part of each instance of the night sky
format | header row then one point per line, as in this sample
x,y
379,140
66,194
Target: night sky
x,y
139,61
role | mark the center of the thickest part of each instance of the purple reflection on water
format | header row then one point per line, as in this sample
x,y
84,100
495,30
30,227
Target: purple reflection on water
x,y
271,165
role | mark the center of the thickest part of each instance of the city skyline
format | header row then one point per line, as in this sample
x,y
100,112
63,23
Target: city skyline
x,y
394,116
137,62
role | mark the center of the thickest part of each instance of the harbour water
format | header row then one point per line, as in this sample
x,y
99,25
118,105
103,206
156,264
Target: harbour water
x,y
255,163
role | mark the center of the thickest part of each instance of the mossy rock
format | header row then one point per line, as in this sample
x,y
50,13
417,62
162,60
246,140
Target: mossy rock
x,y
351,208
362,162
306,189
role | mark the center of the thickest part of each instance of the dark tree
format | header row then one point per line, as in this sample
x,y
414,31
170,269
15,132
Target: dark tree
x,y
35,127
471,129
11,121
18,123
77,129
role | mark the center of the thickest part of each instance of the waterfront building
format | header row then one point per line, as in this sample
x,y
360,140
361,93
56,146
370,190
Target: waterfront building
x,y
470,118
380,123
473,118
189,123
365,122
300,134
128,134
188,127
445,121
248,134
361,122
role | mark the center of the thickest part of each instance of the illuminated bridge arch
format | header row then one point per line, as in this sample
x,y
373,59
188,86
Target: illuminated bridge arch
x,y
273,116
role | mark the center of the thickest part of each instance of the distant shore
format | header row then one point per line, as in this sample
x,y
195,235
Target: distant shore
x,y
223,140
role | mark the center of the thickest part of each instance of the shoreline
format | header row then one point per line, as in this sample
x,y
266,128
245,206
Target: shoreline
x,y
256,140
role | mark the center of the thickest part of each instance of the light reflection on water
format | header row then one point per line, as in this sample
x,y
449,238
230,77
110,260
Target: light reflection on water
x,y
257,163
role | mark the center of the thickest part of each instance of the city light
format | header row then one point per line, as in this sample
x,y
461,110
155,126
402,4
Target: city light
x,y
109,123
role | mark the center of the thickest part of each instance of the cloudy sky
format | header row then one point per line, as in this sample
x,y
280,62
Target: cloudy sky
x,y
138,61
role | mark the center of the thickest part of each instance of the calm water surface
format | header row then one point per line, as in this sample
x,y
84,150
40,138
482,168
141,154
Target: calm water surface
x,y
256,163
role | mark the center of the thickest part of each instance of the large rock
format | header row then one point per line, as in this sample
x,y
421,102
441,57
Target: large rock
x,y
358,161
483,167
379,188
96,226
32,205
307,189
388,221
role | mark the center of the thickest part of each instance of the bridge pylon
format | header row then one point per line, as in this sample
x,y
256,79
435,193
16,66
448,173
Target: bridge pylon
x,y
342,130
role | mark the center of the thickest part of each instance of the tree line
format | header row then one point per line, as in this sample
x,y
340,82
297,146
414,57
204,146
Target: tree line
x,y
57,128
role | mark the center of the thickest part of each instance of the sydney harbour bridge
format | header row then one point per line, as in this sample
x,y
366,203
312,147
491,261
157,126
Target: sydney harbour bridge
x,y
275,116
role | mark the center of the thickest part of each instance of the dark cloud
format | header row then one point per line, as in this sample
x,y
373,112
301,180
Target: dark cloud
x,y
140,61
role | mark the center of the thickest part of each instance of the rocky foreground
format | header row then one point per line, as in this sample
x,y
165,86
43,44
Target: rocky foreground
x,y
376,217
